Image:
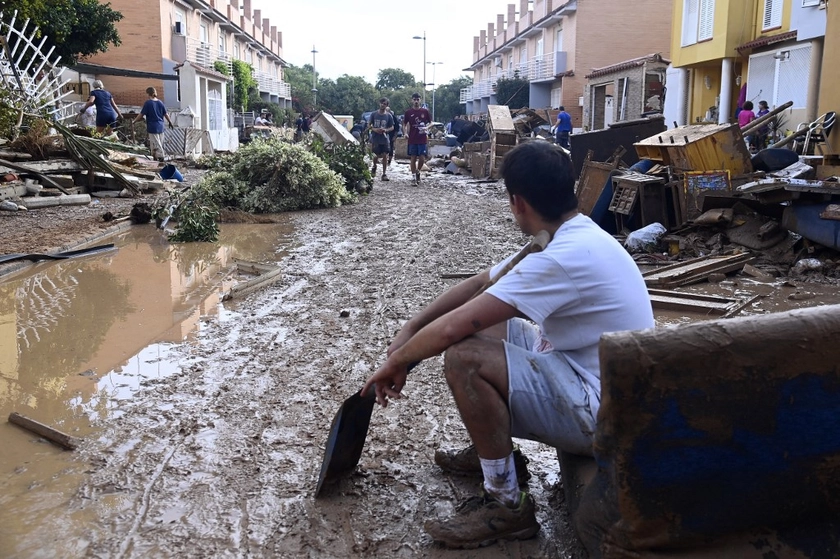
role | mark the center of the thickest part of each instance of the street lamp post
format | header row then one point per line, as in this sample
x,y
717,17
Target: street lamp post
x,y
314,88
424,63
434,87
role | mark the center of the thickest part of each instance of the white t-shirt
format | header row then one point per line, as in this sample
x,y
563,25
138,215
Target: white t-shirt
x,y
583,284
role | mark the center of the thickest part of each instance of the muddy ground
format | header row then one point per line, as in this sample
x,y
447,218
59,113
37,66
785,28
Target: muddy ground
x,y
222,459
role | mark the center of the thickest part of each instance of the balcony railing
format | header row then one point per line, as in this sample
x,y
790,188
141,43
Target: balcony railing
x,y
272,85
206,56
539,68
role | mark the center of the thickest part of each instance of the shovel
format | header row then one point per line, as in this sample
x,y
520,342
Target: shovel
x,y
350,425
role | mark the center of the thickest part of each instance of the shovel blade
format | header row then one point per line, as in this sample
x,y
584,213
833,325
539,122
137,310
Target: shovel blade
x,y
346,439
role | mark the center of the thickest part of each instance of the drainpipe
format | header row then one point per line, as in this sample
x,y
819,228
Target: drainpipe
x,y
813,100
725,104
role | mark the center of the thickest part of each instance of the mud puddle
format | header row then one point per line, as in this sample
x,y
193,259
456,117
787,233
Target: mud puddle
x,y
79,338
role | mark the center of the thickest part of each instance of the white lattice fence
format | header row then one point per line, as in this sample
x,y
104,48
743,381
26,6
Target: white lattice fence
x,y
31,79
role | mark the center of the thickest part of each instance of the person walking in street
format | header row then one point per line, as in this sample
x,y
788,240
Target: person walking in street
x,y
381,125
746,116
155,112
539,378
563,128
415,123
107,111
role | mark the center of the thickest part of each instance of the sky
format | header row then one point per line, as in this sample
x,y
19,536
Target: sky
x,y
361,38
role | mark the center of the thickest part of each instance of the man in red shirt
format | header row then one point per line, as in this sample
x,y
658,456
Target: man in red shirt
x,y
415,124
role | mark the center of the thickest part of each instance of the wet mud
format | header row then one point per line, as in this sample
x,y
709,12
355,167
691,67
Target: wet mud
x,y
219,455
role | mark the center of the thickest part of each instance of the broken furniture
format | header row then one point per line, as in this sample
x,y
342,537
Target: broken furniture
x,y
595,179
715,439
639,199
330,130
502,136
699,147
815,134
603,142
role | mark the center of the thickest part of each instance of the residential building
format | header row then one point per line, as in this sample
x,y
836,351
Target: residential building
x,y
159,35
829,96
554,44
723,50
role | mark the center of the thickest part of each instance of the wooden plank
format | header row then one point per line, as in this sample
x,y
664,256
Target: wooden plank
x,y
692,302
267,275
696,270
52,435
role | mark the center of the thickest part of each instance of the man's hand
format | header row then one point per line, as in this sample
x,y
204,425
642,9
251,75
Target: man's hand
x,y
171,126
389,381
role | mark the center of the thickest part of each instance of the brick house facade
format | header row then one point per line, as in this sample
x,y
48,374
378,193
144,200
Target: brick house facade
x,y
554,44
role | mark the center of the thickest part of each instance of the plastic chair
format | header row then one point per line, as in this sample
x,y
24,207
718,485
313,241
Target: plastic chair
x,y
817,132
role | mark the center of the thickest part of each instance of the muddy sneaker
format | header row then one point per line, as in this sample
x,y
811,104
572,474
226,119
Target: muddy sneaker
x,y
385,178
481,520
416,179
466,462
373,169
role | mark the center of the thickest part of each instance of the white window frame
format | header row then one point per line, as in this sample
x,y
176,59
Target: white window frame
x,y
180,17
810,3
698,22
772,17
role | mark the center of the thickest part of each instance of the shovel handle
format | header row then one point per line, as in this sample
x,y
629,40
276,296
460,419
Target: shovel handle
x,y
537,244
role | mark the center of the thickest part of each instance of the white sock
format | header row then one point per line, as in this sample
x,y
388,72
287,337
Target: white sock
x,y
500,480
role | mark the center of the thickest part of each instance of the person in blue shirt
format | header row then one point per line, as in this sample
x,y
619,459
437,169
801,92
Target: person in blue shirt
x,y
155,112
107,111
563,128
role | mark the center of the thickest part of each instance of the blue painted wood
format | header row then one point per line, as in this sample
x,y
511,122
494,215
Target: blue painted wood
x,y
805,220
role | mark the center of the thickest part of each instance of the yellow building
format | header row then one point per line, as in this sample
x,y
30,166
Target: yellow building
x,y
730,51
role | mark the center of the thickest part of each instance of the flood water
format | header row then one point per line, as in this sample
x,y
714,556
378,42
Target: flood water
x,y
78,337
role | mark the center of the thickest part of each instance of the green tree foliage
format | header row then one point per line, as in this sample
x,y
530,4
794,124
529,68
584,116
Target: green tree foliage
x,y
512,92
243,82
76,28
448,99
349,95
394,79
300,80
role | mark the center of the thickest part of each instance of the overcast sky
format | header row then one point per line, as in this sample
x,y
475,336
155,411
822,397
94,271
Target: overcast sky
x,y
361,38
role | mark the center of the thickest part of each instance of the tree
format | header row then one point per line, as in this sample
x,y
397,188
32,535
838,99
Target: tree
x,y
393,79
348,95
512,92
300,80
76,28
448,99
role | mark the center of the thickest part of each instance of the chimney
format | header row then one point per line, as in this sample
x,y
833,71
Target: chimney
x,y
246,9
511,19
476,44
491,31
257,18
482,38
500,22
523,8
266,26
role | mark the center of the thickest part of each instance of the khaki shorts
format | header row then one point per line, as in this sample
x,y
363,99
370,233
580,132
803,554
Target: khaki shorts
x,y
547,399
156,145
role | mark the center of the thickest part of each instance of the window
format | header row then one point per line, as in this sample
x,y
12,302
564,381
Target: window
x,y
202,34
540,49
180,22
222,42
523,56
698,21
778,77
810,3
772,14
236,53
558,40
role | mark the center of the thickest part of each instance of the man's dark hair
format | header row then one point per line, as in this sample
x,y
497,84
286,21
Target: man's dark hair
x,y
562,108
543,175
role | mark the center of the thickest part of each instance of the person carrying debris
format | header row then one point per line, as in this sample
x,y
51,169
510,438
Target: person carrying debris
x,y
521,359
107,111
381,125
155,112
563,128
415,123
